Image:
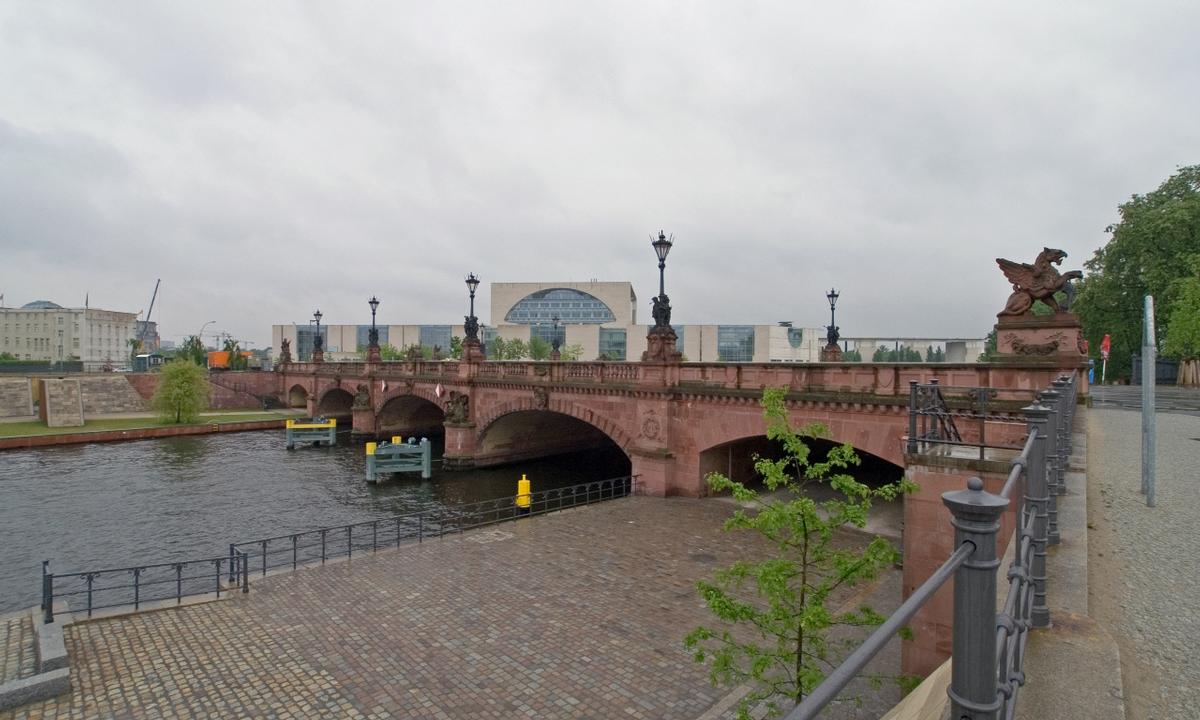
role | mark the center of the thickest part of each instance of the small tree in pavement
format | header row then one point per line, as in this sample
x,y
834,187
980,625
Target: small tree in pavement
x,y
775,614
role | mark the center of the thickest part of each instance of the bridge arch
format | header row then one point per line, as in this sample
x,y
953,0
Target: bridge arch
x,y
336,402
524,430
410,414
297,396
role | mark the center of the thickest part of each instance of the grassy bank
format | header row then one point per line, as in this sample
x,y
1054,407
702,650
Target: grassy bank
x,y
26,429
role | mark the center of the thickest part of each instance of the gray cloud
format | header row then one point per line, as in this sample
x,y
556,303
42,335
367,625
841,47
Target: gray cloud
x,y
267,159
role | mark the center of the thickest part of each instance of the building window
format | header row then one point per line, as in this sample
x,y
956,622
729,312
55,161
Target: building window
x,y
304,342
612,344
572,307
435,336
364,335
735,343
545,332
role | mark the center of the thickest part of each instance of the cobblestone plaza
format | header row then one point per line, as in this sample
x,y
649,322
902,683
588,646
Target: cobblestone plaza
x,y
574,615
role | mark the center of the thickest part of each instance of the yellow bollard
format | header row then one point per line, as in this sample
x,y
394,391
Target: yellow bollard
x,y
333,422
396,439
291,423
523,493
370,448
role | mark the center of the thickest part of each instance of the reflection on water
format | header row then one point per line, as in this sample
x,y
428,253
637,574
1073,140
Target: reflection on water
x,y
120,504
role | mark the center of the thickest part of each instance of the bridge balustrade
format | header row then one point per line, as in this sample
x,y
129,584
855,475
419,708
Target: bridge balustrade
x,y
988,647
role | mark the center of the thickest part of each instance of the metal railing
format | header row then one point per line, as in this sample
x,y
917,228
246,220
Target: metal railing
x,y
139,585
313,547
932,420
988,647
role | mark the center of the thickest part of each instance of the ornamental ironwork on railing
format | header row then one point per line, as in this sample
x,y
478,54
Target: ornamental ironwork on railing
x,y
142,585
137,586
314,547
988,647
960,421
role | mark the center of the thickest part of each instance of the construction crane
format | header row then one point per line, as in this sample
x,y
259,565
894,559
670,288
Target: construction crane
x,y
141,338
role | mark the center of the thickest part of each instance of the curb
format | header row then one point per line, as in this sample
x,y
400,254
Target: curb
x,y
54,674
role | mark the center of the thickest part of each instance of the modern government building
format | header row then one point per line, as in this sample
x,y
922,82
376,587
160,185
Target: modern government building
x,y
602,318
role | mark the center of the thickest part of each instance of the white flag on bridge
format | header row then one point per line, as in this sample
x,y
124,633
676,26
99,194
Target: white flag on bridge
x,y
438,390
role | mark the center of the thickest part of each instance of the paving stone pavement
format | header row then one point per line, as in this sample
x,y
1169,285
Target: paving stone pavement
x,y
574,615
17,640
1145,581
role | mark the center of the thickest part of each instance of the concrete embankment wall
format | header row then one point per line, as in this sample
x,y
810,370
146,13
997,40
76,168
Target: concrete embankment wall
x,y
16,397
227,390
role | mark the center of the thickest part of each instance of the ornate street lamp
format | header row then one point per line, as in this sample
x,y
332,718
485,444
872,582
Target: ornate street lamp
x,y
472,352
373,334
318,353
556,342
831,352
660,341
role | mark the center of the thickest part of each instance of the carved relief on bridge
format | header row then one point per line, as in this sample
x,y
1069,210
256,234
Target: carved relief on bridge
x,y
651,427
541,398
458,408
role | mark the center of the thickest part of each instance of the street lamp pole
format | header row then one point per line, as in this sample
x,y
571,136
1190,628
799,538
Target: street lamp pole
x,y
373,335
472,351
555,342
832,352
318,353
660,341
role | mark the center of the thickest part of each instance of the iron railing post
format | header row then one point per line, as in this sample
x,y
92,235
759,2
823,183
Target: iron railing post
x,y
1062,385
973,690
232,550
1037,497
912,417
47,593
1050,398
245,573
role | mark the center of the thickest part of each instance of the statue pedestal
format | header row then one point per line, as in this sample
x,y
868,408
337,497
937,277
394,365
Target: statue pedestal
x,y
660,346
831,353
373,354
1041,339
472,350
318,355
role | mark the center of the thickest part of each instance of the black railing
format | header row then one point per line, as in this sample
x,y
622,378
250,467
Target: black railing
x,y
934,420
140,585
988,647
318,546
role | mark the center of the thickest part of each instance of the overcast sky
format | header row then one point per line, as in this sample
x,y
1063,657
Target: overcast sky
x,y
266,159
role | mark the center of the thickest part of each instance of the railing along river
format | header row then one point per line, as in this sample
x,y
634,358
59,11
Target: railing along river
x,y
988,647
138,586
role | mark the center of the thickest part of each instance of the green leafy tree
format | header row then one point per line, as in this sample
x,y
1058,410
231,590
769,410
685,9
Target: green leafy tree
x,y
1143,257
786,603
236,361
570,353
1183,330
990,348
193,349
852,356
390,353
456,347
516,349
135,349
539,349
182,391
494,349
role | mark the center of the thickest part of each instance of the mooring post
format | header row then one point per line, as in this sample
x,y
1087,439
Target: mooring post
x,y
973,690
1037,497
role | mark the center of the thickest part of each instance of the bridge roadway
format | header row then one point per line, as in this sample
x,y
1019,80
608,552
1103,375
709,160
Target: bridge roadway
x,y
675,422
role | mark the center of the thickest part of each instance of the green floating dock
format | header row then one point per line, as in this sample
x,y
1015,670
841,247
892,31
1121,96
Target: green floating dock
x,y
398,456
317,431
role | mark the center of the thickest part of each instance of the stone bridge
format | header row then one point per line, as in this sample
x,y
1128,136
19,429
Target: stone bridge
x,y
675,422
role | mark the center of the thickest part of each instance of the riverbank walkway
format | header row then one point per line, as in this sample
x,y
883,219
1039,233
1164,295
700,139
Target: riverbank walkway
x,y
578,614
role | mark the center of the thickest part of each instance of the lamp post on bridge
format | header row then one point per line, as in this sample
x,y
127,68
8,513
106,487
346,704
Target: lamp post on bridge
x,y
831,352
318,353
373,334
660,341
555,342
471,350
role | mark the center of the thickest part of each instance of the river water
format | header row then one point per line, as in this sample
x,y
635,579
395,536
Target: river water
x,y
130,503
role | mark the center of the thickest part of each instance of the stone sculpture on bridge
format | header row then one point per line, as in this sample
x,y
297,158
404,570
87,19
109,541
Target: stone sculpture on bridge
x,y
1039,281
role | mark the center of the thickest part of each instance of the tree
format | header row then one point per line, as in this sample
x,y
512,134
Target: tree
x,y
135,348
515,349
539,349
787,600
990,348
236,361
193,349
456,345
390,353
570,353
852,356
182,391
1183,331
1155,232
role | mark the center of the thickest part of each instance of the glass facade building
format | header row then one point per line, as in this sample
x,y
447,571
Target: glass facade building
x,y
612,343
364,335
435,336
735,343
304,342
573,307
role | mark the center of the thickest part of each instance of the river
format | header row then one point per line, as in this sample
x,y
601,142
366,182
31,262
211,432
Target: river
x,y
120,504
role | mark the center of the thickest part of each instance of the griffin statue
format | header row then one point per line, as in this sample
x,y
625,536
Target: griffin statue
x,y
1038,281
